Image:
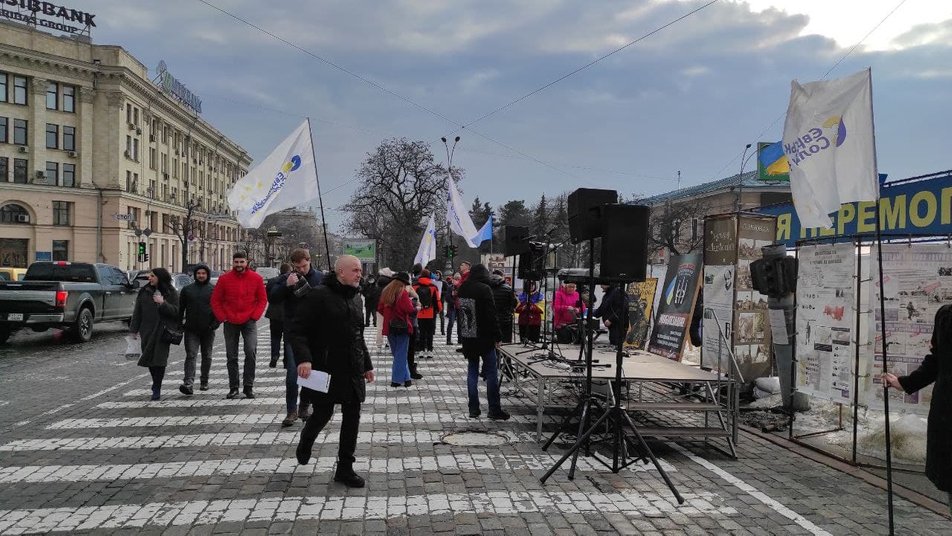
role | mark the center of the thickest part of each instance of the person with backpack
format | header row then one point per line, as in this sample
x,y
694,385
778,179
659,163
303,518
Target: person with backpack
x,y
430,306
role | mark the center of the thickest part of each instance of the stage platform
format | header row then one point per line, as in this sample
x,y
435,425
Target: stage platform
x,y
658,390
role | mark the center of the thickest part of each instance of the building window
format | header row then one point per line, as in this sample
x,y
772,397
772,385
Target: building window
x,y
52,173
19,90
69,138
135,149
151,157
52,96
129,186
52,136
4,169
20,166
61,250
128,146
69,175
128,113
61,212
135,116
3,87
19,131
14,213
4,126
69,98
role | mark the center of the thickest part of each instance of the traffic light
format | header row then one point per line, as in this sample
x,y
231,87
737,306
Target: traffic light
x,y
451,250
143,255
776,277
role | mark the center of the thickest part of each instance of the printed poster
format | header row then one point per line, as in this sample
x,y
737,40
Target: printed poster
x,y
752,346
918,281
826,320
678,294
640,305
720,258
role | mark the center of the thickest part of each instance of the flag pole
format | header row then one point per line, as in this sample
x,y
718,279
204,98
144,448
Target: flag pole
x,y
882,323
320,198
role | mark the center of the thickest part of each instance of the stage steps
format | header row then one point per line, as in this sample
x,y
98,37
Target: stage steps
x,y
682,431
673,406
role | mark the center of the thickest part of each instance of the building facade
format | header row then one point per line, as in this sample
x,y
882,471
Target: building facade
x,y
95,157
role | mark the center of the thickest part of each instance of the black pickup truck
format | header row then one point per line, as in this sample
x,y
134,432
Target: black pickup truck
x,y
70,295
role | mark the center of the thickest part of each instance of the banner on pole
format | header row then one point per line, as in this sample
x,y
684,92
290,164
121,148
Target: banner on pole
x,y
364,249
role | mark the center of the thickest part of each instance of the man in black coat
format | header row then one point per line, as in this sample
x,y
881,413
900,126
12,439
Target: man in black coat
x,y
195,313
283,292
614,313
480,335
505,300
327,335
371,294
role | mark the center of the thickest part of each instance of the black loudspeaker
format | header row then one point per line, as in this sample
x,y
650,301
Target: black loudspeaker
x,y
515,240
624,242
531,263
584,216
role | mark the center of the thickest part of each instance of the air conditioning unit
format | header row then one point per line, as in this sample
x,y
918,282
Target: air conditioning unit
x,y
72,154
40,175
23,218
132,126
138,131
22,148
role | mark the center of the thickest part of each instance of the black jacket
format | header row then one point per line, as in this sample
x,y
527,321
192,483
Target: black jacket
x,y
937,367
280,294
371,294
614,307
195,305
505,300
149,321
478,324
327,330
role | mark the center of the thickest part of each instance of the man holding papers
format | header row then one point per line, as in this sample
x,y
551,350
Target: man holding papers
x,y
327,335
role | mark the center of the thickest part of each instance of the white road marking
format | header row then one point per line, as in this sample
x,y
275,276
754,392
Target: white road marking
x,y
434,417
372,401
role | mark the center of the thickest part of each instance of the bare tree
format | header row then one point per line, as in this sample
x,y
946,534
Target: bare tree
x,y
184,228
678,227
400,186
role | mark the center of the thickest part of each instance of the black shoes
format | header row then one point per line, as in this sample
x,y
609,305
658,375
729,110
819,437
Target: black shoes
x,y
474,414
499,416
273,363
416,376
185,389
156,393
407,383
232,394
249,393
303,452
349,478
203,386
394,384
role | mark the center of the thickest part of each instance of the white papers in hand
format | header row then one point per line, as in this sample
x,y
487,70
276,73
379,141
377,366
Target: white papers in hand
x,y
317,381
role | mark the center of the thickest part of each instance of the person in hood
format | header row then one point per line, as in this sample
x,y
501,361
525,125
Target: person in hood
x,y
285,292
327,334
430,306
156,310
238,301
480,335
614,313
199,324
371,292
505,299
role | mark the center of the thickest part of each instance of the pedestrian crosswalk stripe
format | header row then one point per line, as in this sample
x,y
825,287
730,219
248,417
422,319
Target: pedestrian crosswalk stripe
x,y
421,386
192,513
267,466
196,402
434,417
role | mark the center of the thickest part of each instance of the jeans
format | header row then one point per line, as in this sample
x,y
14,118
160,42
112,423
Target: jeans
x,y
277,330
249,334
195,341
290,382
348,429
399,344
427,331
450,320
492,383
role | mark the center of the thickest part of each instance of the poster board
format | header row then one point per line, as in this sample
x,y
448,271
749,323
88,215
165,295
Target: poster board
x,y
826,321
640,305
918,281
720,260
364,249
676,306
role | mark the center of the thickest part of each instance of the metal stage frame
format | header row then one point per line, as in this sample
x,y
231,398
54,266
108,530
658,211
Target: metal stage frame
x,y
649,378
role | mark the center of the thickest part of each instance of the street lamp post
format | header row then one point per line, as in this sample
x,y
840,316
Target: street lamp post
x,y
739,205
449,173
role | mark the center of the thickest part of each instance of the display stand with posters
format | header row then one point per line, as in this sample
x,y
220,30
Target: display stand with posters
x,y
731,243
641,297
676,307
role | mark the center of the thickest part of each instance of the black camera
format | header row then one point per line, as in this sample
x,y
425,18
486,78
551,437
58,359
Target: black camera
x,y
302,287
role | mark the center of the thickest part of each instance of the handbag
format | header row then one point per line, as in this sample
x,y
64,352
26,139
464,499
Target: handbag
x,y
171,336
398,327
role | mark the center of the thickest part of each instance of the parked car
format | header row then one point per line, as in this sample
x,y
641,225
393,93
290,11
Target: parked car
x,y
267,273
12,274
180,281
214,275
71,295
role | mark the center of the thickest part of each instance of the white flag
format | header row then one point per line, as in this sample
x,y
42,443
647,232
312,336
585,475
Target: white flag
x,y
285,179
458,217
828,139
427,250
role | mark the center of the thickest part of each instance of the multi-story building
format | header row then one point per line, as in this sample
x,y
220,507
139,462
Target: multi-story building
x,y
95,157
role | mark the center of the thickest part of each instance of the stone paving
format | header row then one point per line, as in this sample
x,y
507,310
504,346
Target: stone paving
x,y
115,462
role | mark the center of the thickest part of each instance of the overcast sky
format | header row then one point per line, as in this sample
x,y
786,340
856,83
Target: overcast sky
x,y
687,98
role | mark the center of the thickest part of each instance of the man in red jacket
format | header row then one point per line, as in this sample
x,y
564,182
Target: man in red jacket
x,y
238,301
431,305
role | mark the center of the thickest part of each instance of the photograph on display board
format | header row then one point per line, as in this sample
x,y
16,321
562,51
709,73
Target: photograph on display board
x,y
918,281
744,281
640,305
747,249
751,322
678,295
719,297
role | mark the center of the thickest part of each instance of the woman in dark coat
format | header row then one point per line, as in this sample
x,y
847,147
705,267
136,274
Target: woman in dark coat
x,y
937,368
156,308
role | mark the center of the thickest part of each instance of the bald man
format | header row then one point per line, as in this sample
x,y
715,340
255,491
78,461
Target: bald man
x,y
327,335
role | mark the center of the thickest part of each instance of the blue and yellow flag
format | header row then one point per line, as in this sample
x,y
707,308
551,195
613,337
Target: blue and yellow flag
x,y
772,163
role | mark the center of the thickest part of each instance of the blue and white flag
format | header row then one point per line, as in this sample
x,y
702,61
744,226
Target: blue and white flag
x,y
285,179
829,142
459,220
427,250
